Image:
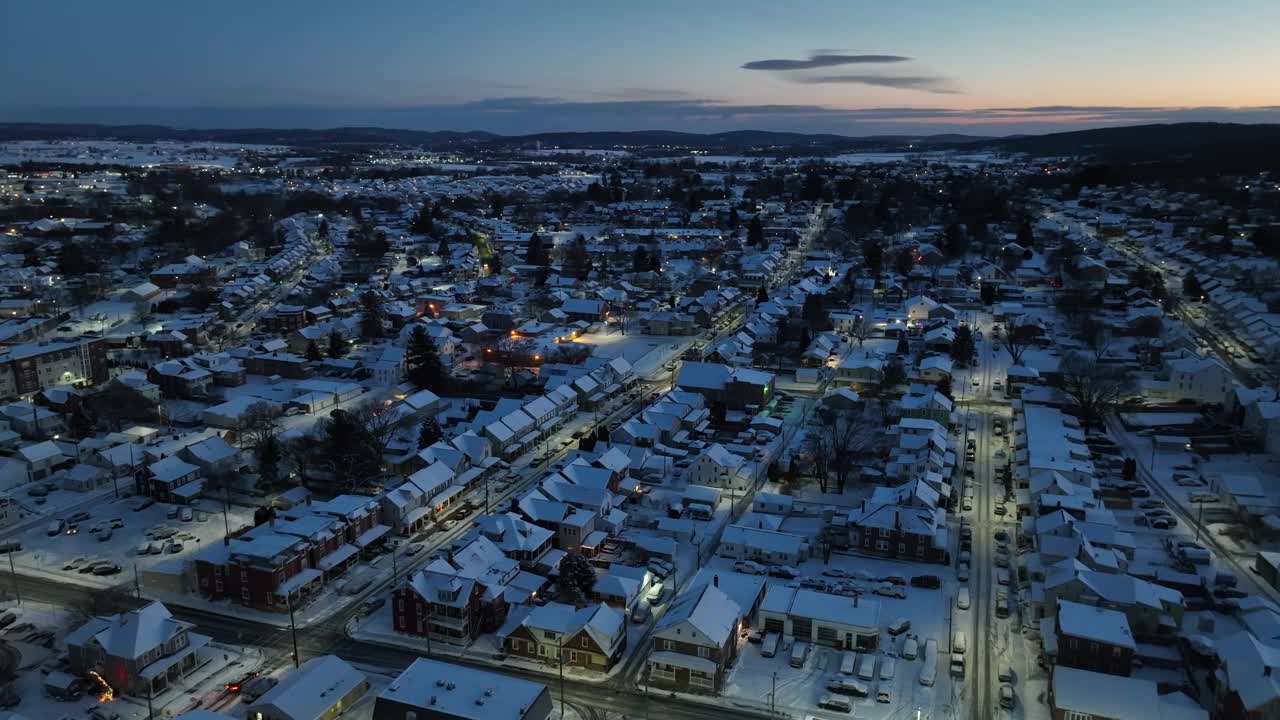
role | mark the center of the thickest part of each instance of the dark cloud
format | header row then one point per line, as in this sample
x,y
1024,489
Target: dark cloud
x,y
822,60
924,83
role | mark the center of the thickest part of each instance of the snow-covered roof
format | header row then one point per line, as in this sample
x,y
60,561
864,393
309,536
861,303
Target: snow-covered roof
x,y
312,689
462,692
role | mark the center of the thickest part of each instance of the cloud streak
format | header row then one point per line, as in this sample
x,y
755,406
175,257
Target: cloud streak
x,y
822,60
925,83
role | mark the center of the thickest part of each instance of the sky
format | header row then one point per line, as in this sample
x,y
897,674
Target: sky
x,y
839,66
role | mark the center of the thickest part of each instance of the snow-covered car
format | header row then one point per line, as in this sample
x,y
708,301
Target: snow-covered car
x,y
835,573
749,567
782,571
890,590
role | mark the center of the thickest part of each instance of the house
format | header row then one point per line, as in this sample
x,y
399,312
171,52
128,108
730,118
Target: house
x,y
695,641
591,638
1249,678
1094,638
140,652
886,527
322,689
456,598
435,690
718,467
42,459
822,618
735,388
1152,610
765,546
1205,380
1082,695
172,480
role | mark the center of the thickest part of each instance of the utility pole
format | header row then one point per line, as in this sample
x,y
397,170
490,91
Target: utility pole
x,y
10,549
560,655
151,713
773,695
293,629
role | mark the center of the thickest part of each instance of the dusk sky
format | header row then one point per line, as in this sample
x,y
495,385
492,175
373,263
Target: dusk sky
x,y
514,67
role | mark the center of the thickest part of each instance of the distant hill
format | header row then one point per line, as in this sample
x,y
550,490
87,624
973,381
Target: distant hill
x,y
727,141
1139,141
257,136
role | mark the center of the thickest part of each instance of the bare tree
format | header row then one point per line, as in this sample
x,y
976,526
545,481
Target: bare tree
x,y
1015,343
850,436
818,445
861,330
1096,335
1095,388
259,421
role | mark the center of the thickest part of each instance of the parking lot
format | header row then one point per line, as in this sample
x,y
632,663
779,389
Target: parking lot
x,y
921,613
96,547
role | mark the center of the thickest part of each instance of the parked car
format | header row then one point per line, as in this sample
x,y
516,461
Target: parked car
x,y
782,571
749,567
641,612
835,573
371,606
899,626
926,581
186,515
890,590
962,599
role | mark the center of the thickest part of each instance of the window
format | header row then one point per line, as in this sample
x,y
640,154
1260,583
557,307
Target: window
x,y
704,652
1115,651
882,544
902,548
548,635
1073,715
584,641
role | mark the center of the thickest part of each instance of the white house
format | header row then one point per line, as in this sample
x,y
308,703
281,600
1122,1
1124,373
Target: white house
x,y
767,546
1205,380
718,467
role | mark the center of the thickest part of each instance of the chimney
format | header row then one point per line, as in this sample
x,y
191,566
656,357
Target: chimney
x,y
715,580
1266,671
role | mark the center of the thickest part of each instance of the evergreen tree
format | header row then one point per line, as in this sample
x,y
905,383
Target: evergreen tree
x,y
371,323
535,253
1191,286
443,248
762,294
337,345
755,232
904,347
894,375
733,218
313,352
873,256
423,223
268,452
422,362
639,260
430,433
813,312
962,348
